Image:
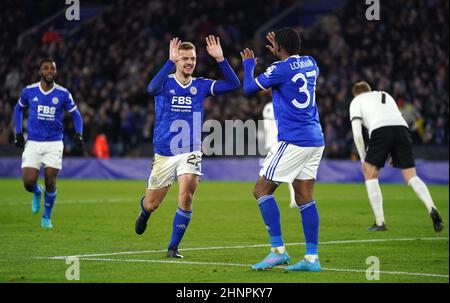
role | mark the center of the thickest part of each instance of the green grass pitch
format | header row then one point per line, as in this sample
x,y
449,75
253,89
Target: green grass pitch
x,y
94,219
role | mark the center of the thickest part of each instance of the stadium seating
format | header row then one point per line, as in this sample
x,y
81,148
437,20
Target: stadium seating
x,y
109,61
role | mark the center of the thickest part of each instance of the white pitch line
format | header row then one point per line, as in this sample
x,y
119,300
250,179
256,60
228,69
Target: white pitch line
x,y
244,246
248,265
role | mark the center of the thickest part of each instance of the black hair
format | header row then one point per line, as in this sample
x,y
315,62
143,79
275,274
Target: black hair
x,y
48,59
289,39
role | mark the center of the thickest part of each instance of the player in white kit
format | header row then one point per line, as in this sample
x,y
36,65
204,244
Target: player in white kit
x,y
388,136
271,138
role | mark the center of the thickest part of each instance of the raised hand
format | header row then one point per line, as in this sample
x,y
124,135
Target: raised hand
x,y
247,54
274,46
214,48
173,49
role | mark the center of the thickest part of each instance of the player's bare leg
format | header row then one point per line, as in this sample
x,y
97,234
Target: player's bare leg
x,y
304,190
30,177
371,174
154,197
50,175
187,186
423,193
149,203
264,187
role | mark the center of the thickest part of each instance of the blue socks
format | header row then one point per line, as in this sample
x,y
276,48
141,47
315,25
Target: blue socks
x,y
310,222
144,212
35,189
271,216
49,201
180,224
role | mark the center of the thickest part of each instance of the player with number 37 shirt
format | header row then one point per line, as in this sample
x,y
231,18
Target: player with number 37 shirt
x,y
295,158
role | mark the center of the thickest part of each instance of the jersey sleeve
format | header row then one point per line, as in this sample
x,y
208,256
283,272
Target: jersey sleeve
x,y
315,65
23,99
208,86
355,110
271,77
69,104
158,83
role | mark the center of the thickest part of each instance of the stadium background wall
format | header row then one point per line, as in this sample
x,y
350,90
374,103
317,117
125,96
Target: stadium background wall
x,y
226,169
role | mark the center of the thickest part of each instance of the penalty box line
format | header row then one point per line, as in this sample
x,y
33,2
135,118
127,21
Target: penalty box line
x,y
242,247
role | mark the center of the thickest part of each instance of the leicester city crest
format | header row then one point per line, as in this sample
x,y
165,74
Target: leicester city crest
x,y
193,90
55,100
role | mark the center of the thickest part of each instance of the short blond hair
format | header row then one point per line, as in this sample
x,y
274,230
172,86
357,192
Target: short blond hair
x,y
361,87
186,46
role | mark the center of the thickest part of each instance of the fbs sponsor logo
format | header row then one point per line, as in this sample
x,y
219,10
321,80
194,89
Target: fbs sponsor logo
x,y
181,104
46,110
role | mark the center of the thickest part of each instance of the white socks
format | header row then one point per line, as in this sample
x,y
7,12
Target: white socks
x,y
376,200
422,192
311,258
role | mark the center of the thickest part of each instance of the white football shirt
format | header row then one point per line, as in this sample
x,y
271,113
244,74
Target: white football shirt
x,y
376,109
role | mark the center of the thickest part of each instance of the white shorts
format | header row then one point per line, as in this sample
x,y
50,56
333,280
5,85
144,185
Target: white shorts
x,y
286,162
166,169
48,154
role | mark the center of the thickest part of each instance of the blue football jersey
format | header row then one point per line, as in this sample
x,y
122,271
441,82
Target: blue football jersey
x,y
46,111
179,115
293,83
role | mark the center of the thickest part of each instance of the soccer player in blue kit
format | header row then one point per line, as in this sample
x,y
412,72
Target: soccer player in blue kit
x,y
46,102
179,104
295,158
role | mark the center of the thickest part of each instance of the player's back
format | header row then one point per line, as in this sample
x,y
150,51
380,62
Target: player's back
x,y
293,83
376,109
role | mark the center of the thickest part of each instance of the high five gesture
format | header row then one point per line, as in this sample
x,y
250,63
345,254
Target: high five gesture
x,y
214,48
173,49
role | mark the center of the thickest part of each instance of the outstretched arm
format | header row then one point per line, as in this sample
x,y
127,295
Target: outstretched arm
x,y
155,86
272,77
358,138
231,81
250,83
